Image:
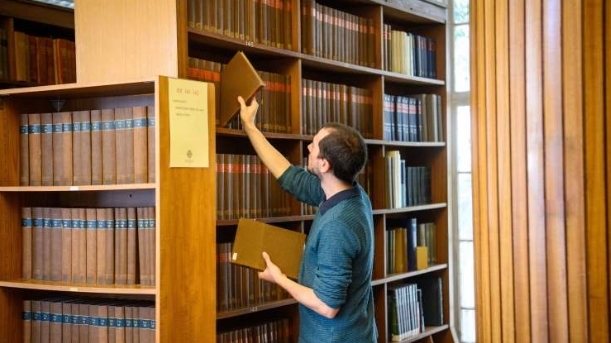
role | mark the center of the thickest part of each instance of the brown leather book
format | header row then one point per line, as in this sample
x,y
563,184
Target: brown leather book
x,y
238,77
35,149
129,145
143,257
120,236
37,242
152,229
139,144
24,158
91,245
121,145
85,149
129,328
109,155
150,124
96,147
46,243
101,246
66,137
77,164
66,326
46,122
285,247
66,255
27,320
56,244
131,246
78,268
26,228
55,321
58,147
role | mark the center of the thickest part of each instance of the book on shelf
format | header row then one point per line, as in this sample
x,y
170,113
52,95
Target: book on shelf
x,y
285,247
432,300
238,77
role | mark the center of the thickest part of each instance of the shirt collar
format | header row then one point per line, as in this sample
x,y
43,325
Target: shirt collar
x,y
337,198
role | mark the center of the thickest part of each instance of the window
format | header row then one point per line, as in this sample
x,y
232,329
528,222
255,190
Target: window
x,y
459,117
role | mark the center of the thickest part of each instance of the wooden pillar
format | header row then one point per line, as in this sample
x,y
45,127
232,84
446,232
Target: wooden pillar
x,y
541,90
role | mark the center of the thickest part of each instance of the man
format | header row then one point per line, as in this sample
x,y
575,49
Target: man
x,y
334,285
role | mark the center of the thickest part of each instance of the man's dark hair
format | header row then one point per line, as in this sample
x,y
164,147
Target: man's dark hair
x,y
345,149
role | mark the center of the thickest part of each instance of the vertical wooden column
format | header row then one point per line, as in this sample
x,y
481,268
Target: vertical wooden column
x,y
541,107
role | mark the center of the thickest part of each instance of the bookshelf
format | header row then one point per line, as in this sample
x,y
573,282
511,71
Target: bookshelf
x,y
323,80
184,250
186,264
36,44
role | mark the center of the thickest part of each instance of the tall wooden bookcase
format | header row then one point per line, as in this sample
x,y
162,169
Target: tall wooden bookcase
x,y
184,250
120,42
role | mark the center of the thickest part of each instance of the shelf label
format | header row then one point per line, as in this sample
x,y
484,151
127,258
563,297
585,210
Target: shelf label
x,y
188,102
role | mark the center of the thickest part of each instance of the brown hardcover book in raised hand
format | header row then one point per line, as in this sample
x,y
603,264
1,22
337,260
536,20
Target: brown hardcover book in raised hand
x,y
238,77
285,247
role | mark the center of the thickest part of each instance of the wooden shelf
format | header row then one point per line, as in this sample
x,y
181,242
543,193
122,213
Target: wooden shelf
x,y
38,285
258,308
78,188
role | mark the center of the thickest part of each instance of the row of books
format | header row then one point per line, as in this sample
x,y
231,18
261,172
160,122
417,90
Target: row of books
x,y
44,60
413,118
239,286
406,185
325,102
334,34
246,189
4,61
266,22
405,309
402,239
88,147
409,53
414,306
95,246
64,319
274,113
272,331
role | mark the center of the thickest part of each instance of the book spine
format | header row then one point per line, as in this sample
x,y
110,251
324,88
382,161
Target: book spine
x,y
26,228
58,147
120,253
150,120
91,245
34,149
46,120
132,258
129,145
141,223
77,146
96,148
66,246
37,242
86,149
66,137
140,144
24,158
109,155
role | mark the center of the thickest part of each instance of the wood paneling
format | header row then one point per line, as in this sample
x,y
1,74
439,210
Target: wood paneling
x,y
121,40
541,169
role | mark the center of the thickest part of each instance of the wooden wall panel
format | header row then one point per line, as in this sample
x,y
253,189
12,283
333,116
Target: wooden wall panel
x,y
541,169
120,40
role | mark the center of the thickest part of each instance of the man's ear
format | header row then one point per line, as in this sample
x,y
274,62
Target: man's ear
x,y
325,165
